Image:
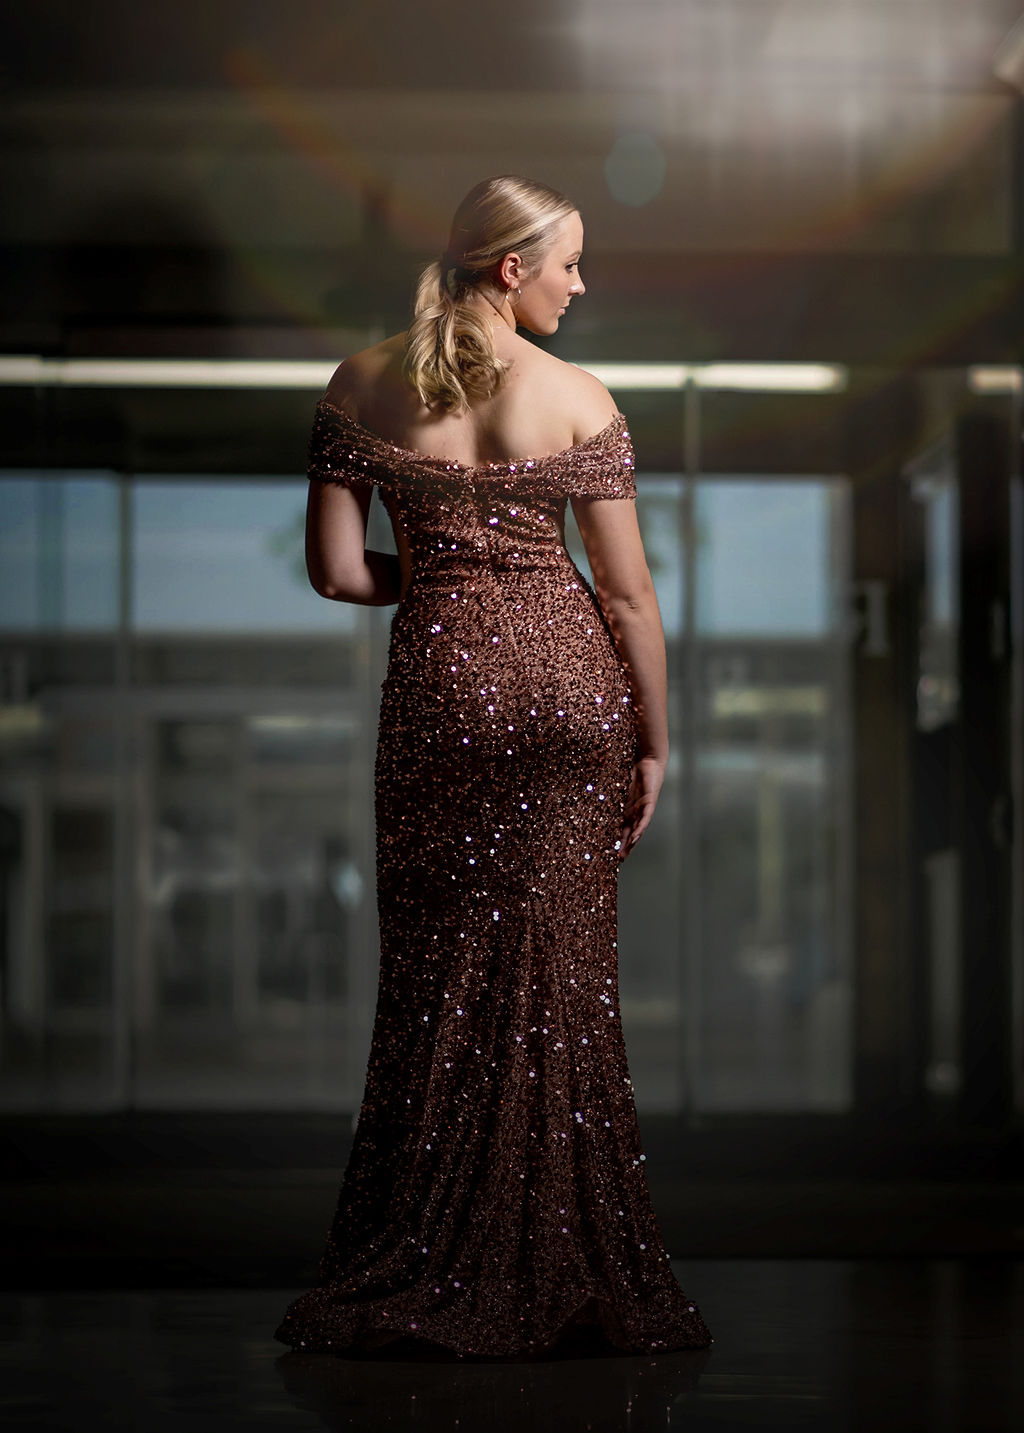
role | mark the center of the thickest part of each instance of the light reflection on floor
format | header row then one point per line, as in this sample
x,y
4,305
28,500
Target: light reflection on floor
x,y
932,1346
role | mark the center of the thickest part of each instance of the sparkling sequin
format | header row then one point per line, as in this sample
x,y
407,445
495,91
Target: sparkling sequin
x,y
494,1197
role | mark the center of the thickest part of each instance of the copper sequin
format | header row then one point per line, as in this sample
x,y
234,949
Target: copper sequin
x,y
495,1195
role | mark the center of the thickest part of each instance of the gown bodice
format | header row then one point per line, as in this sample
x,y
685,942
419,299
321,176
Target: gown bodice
x,y
454,516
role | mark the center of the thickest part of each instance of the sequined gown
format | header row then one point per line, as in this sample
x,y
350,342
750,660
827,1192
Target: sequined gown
x,y
495,1197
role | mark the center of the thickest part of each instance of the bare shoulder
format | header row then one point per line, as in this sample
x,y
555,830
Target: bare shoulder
x,y
594,407
357,381
582,398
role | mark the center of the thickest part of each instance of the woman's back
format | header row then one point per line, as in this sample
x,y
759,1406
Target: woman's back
x,y
543,405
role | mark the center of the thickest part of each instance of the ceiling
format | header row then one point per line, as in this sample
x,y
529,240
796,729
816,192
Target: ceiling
x,y
654,45
284,150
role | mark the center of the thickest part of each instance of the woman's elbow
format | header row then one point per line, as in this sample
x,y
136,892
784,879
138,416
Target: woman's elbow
x,y
326,589
324,583
328,570
631,598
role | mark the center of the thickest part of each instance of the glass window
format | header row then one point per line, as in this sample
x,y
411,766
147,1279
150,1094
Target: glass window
x,y
762,557
225,557
735,975
189,847
58,551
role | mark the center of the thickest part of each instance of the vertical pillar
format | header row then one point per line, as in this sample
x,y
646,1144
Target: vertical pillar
x,y
880,430
983,766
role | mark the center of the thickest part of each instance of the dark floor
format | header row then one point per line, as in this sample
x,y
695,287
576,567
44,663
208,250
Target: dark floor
x,y
829,1345
245,1199
853,1281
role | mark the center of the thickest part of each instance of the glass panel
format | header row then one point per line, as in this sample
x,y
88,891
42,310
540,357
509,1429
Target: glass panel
x,y
59,597
310,889
58,963
19,552
196,863
933,484
257,936
749,531
186,807
24,1046
81,911
255,904
225,557
651,893
58,551
80,952
733,929
767,966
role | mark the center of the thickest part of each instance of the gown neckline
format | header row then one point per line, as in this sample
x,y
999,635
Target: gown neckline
x,y
512,464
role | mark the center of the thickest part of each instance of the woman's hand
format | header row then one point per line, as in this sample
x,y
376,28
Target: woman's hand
x,y
644,789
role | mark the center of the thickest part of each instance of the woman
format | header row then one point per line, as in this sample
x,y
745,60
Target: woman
x,y
495,1200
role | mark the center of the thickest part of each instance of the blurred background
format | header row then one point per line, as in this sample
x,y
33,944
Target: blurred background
x,y
805,269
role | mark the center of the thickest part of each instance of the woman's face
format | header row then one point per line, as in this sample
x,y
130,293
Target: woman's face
x,y
547,291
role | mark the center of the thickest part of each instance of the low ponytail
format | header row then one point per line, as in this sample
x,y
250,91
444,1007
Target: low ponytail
x,y
449,356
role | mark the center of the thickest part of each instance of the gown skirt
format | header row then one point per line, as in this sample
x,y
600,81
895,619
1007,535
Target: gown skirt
x,y
495,1200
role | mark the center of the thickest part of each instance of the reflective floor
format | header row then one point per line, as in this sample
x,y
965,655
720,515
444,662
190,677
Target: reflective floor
x,y
799,1344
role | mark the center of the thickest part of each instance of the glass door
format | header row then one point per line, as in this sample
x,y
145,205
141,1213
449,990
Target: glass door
x,y
735,912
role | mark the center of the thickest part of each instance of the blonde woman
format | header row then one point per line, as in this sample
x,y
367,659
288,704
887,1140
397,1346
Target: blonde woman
x,y
495,1201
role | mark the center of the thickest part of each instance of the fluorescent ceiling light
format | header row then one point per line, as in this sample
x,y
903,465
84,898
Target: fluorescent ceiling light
x,y
648,376
166,372
994,378
774,377
26,369
755,377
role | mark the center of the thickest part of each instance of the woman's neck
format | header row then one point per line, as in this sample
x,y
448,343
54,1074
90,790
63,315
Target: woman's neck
x,y
505,316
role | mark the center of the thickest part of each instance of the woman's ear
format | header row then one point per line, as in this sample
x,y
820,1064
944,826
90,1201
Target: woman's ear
x,y
510,271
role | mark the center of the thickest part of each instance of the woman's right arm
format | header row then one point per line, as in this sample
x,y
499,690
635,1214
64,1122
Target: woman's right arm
x,y
339,564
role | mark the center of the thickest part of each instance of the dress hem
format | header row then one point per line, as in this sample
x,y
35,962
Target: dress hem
x,y
574,1336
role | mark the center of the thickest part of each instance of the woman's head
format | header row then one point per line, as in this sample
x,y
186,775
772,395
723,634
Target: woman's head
x,y
501,219
515,244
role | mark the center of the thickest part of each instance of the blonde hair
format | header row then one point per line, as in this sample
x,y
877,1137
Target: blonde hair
x,y
449,355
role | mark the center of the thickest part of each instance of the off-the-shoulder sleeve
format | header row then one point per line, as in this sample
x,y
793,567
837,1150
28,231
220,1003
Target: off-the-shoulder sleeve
x,y
603,467
335,453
